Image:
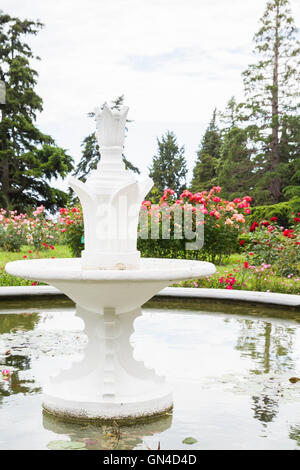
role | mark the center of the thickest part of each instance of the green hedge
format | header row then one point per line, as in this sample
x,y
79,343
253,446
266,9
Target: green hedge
x,y
283,211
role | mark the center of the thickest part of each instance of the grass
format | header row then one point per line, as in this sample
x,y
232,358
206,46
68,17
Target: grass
x,y
245,279
6,279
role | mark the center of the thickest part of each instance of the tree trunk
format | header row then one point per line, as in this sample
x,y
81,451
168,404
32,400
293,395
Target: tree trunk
x,y
275,158
4,164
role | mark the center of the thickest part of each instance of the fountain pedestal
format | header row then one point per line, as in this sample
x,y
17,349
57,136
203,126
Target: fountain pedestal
x,y
108,383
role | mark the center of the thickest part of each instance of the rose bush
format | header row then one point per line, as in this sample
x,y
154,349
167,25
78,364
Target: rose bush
x,y
271,243
223,222
12,233
71,226
19,229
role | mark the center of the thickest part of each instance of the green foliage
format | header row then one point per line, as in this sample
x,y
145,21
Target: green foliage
x,y
222,225
260,278
66,445
272,102
28,252
28,158
90,157
73,239
10,239
208,155
235,173
276,247
168,169
73,228
283,211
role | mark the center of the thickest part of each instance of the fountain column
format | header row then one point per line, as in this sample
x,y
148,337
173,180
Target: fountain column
x,y
107,383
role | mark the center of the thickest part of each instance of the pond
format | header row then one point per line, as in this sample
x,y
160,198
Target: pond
x,y
230,367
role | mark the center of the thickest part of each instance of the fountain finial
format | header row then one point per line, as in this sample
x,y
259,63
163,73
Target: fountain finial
x,y
110,126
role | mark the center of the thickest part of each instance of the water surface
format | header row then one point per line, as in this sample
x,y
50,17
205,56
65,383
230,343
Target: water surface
x,y
229,366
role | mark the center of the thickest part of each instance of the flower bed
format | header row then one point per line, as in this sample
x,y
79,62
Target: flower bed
x,y
223,222
268,256
20,229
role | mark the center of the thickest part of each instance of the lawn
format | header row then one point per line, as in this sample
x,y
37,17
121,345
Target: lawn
x,y
259,279
246,279
27,252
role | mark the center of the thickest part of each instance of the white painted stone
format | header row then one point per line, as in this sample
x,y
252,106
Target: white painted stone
x,y
109,284
180,292
241,295
97,289
108,382
111,199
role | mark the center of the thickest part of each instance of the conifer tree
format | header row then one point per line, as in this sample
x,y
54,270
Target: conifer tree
x,y
205,170
272,98
29,159
168,169
235,174
235,171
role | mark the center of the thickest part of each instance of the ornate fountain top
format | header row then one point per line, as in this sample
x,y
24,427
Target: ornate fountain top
x,y
111,199
110,126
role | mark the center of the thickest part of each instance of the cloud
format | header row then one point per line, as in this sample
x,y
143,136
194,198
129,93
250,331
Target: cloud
x,y
153,62
173,60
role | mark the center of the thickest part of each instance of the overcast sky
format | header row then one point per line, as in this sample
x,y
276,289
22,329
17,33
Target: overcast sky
x,y
174,60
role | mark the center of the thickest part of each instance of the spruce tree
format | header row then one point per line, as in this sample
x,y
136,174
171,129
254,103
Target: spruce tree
x,y
90,150
168,169
289,149
29,159
272,97
205,170
235,171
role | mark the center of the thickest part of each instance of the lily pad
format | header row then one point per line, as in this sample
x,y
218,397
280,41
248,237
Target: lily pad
x,y
66,445
189,440
294,380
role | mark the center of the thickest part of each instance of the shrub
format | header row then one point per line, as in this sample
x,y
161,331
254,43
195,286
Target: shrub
x,y
283,211
224,220
18,229
271,243
71,221
11,230
40,230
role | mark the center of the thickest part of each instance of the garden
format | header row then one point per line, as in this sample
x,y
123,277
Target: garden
x,y
168,231
259,255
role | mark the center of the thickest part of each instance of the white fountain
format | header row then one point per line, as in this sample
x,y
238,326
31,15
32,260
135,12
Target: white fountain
x,y
109,283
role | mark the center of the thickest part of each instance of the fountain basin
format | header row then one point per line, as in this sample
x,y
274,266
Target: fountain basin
x,y
236,399
108,383
123,290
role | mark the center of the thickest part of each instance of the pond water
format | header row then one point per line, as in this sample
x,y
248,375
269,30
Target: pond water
x,y
229,366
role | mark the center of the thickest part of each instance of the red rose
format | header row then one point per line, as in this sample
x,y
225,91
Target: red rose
x,y
289,233
253,227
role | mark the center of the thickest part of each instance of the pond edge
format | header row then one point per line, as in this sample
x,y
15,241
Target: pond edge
x,y
179,292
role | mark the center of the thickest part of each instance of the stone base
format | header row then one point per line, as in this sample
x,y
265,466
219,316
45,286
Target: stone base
x,y
117,411
108,383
